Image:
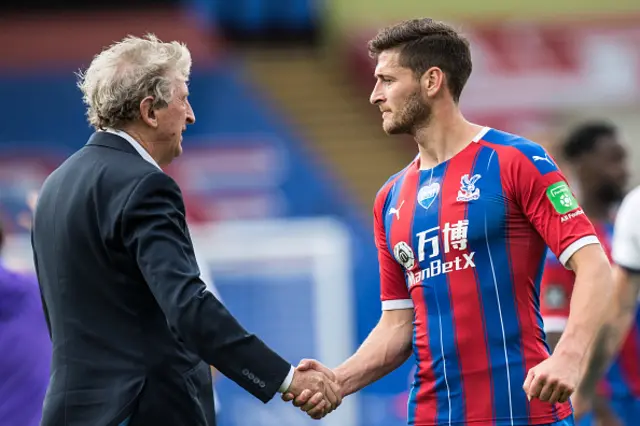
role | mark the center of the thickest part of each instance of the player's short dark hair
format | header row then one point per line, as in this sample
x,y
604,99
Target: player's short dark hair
x,y
583,139
425,43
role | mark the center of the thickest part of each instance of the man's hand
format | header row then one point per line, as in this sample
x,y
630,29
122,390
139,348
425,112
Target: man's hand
x,y
317,402
553,380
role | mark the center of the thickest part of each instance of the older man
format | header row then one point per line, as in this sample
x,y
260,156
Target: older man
x,y
134,328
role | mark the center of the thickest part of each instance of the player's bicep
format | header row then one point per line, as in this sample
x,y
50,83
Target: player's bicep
x,y
550,205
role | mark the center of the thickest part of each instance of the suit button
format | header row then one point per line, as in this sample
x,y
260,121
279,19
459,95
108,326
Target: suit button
x,y
250,376
256,380
262,385
245,372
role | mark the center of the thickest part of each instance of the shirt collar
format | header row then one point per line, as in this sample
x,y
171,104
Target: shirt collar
x,y
139,148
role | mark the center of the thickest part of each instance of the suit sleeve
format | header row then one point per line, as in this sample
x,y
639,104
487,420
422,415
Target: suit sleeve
x,y
393,287
555,295
156,235
550,205
626,235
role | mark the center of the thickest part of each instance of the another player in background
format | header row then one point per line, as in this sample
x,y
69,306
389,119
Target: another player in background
x,y
598,162
620,337
461,234
25,349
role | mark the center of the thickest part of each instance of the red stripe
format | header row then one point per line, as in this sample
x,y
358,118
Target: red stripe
x,y
524,272
426,404
470,336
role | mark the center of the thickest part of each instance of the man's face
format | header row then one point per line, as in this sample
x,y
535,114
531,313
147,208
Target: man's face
x,y
172,121
605,170
398,94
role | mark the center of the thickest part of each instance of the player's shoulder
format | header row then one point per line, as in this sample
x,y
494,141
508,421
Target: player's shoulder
x,y
388,186
520,150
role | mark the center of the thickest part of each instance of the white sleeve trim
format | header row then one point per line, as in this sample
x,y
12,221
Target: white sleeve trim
x,y
394,305
554,324
575,246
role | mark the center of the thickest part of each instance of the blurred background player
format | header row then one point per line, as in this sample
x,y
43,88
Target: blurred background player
x,y
25,348
597,163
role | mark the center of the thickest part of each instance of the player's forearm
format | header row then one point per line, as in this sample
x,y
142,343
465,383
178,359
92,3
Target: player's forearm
x,y
589,302
387,347
613,332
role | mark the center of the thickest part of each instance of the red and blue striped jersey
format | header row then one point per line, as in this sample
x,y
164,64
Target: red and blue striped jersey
x,y
463,244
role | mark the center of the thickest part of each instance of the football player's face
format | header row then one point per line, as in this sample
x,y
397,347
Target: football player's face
x,y
398,94
606,170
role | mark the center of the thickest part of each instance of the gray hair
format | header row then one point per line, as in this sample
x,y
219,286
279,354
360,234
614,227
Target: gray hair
x,y
122,75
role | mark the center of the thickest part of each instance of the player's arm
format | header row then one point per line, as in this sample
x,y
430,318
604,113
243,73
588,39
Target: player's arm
x,y
389,344
626,255
614,331
386,348
589,302
550,206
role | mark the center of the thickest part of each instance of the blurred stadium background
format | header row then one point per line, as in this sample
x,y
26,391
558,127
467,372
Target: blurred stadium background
x,y
280,171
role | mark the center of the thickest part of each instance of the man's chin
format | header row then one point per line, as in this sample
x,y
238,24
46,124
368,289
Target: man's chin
x,y
393,130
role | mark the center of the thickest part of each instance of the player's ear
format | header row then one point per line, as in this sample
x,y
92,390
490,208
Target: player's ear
x,y
433,81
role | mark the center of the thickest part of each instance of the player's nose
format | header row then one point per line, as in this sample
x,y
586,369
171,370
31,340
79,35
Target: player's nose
x,y
376,95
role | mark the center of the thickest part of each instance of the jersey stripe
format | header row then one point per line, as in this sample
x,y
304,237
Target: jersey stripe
x,y
438,308
401,230
495,282
465,301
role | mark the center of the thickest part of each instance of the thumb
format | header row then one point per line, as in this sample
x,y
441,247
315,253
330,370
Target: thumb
x,y
306,364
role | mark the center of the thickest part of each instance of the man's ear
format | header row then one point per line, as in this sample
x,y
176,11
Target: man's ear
x,y
147,112
433,81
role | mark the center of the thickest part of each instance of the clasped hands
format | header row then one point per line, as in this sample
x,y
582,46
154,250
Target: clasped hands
x,y
314,389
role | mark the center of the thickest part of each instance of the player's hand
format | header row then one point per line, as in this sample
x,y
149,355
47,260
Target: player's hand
x,y
318,404
553,380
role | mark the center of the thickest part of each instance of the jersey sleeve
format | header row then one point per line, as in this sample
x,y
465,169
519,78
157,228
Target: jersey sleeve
x,y
550,205
555,295
393,289
626,235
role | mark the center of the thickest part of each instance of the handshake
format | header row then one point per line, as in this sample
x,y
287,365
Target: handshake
x,y
314,389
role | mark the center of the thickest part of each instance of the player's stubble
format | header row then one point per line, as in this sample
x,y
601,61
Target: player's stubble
x,y
415,113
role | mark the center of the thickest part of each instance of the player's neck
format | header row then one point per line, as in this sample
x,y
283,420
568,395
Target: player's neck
x,y
443,137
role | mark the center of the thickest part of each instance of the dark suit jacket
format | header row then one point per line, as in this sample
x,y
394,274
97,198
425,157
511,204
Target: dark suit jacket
x,y
133,327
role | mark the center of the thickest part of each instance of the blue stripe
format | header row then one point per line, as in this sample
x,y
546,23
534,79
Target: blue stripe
x,y
441,329
488,228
